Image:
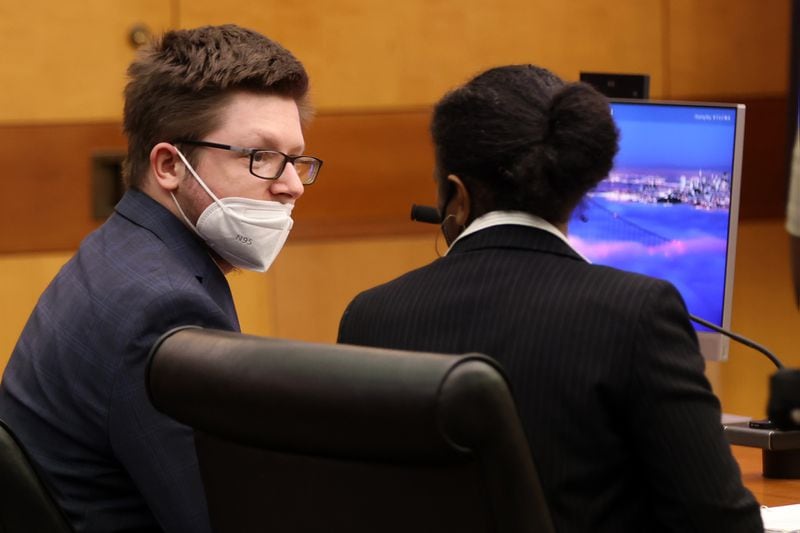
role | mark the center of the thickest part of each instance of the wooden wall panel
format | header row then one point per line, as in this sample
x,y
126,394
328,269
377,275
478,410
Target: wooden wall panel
x,y
764,171
723,47
46,183
314,281
376,165
256,306
66,61
367,54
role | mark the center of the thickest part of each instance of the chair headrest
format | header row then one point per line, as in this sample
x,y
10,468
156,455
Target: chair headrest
x,y
325,399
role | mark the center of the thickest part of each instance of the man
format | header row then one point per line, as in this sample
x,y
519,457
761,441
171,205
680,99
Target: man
x,y
604,365
213,119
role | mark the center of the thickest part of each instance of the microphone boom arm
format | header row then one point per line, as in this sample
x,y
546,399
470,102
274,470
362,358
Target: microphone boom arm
x,y
747,342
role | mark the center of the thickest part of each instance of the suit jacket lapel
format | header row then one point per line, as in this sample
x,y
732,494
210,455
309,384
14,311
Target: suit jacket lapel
x,y
143,211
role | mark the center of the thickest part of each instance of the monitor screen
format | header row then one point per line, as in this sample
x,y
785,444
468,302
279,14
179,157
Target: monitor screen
x,y
669,207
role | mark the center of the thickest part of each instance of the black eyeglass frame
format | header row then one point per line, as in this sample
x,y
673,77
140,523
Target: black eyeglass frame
x,y
252,153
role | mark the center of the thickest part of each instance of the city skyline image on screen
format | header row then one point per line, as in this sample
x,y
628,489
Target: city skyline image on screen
x,y
669,207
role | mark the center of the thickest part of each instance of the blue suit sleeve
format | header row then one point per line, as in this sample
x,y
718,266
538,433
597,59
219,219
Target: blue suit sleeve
x,y
158,452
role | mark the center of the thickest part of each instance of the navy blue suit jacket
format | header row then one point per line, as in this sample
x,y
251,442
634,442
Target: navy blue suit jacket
x,y
605,369
74,389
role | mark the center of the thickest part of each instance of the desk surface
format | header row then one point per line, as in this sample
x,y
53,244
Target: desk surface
x,y
769,492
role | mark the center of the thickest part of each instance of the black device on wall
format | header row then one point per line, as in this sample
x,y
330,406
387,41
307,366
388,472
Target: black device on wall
x,y
107,184
635,86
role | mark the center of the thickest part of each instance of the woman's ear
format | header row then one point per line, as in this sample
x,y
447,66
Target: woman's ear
x,y
166,166
458,206
456,210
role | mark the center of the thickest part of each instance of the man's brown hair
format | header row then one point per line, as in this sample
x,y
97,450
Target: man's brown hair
x,y
178,84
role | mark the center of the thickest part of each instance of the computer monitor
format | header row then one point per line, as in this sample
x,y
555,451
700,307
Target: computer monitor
x,y
669,208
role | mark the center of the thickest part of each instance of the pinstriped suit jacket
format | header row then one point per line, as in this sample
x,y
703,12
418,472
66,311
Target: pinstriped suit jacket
x,y
605,369
74,389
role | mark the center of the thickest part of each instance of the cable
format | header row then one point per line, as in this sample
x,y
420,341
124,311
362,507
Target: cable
x,y
747,342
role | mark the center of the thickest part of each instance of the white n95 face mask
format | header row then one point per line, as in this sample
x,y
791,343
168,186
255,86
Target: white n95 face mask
x,y
247,233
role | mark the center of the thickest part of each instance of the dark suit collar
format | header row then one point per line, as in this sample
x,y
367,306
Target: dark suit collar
x,y
513,236
142,210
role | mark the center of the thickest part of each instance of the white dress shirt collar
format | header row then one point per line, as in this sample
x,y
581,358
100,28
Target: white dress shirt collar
x,y
517,218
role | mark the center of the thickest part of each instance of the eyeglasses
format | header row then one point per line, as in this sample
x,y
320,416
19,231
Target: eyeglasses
x,y
269,164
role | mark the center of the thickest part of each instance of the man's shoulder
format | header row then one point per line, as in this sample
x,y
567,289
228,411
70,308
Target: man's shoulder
x,y
124,268
120,247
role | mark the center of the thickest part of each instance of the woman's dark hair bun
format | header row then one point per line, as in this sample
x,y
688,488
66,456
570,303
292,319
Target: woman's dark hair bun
x,y
582,134
523,139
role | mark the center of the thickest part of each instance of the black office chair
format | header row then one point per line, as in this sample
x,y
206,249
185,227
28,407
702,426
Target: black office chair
x,y
25,502
294,436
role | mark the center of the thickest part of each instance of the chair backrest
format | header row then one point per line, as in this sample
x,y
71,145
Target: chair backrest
x,y
294,436
26,504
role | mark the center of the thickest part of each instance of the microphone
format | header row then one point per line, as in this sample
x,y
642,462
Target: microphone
x,y
425,213
783,408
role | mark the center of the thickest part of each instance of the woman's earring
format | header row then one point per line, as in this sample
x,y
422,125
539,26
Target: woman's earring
x,y
444,233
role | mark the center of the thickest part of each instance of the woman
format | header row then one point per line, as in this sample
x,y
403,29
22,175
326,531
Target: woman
x,y
604,364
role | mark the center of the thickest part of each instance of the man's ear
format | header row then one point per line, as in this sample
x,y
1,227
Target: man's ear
x,y
458,205
166,166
